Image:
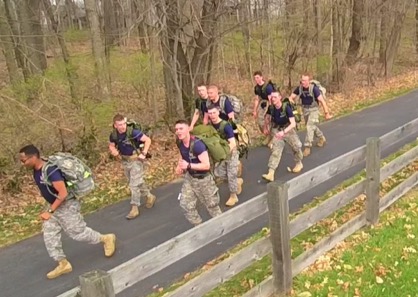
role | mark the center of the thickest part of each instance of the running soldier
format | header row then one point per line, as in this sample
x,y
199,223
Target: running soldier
x,y
63,213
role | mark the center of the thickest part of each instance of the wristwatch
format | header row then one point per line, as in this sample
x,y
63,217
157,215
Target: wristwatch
x,y
50,210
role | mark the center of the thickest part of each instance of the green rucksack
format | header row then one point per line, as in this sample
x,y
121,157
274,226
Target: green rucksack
x,y
218,148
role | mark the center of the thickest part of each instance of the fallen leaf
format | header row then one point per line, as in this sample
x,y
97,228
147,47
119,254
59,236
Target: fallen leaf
x,y
379,280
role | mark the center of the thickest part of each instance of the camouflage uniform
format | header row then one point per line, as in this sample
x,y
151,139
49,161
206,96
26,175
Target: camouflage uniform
x,y
261,112
311,116
203,189
134,171
68,218
228,169
293,140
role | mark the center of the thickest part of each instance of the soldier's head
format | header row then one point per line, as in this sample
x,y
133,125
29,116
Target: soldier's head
x,y
258,77
30,157
305,80
119,123
276,99
202,90
182,129
213,113
213,93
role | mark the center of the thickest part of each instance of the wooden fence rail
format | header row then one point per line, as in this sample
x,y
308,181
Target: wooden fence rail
x,y
171,251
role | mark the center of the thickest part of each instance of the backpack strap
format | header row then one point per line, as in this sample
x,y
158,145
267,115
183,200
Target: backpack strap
x,y
222,100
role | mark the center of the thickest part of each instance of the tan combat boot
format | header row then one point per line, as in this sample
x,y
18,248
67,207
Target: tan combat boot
x,y
150,201
298,167
133,213
240,182
63,267
109,244
321,141
306,151
233,199
269,176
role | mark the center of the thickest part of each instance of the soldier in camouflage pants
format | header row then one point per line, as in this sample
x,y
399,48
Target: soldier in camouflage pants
x,y
311,98
63,212
227,169
198,183
283,130
124,143
203,189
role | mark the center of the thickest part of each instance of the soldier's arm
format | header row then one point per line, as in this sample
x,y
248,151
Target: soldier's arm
x,y
323,104
204,162
292,98
206,119
113,150
256,103
291,126
147,143
195,118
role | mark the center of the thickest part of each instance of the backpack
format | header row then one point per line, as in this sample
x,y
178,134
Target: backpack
x,y
77,175
272,84
243,140
312,84
236,103
218,148
131,125
296,113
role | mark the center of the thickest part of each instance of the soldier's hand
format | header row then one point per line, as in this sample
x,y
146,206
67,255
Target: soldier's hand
x,y
179,171
45,216
255,114
328,116
183,164
142,156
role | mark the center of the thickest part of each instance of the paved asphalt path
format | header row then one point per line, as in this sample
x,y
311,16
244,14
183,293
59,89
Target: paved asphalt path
x,y
23,265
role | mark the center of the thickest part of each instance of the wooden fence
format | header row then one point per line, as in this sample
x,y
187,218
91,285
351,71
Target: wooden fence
x,y
276,202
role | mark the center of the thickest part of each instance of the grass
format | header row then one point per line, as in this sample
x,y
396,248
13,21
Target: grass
x,y
383,265
260,270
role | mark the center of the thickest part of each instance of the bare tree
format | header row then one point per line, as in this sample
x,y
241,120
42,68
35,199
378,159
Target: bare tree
x,y
8,49
101,67
356,32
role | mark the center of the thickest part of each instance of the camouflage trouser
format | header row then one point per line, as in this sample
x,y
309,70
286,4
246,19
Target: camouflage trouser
x,y
134,171
293,140
311,116
261,112
228,169
203,189
67,217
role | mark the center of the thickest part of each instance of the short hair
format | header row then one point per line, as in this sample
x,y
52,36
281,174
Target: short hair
x,y
118,117
213,106
213,87
30,150
258,72
182,122
201,84
306,74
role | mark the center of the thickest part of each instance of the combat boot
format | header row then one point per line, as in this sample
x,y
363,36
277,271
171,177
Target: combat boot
x,y
233,199
63,267
321,141
298,167
150,201
269,176
306,151
240,182
133,213
109,244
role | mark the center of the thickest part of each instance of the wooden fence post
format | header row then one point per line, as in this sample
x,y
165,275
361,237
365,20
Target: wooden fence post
x,y
278,205
96,283
372,179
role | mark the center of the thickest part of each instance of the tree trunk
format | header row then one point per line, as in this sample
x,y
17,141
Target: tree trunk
x,y
8,49
29,15
71,76
416,26
110,26
245,30
395,36
356,32
101,67
384,28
